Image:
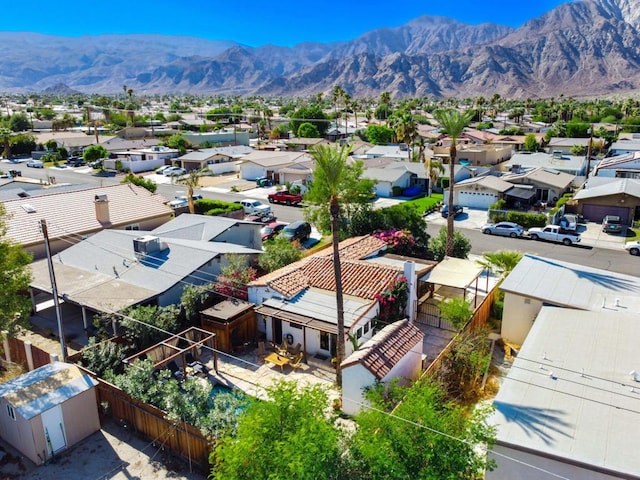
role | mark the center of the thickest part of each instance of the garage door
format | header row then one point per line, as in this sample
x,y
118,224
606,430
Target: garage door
x,y
473,199
596,213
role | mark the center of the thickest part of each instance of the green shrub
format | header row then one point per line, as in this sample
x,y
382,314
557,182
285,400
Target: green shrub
x,y
495,217
499,205
527,220
207,206
396,191
444,182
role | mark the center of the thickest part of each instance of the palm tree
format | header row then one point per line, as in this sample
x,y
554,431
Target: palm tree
x,y
191,181
406,129
502,262
330,168
385,100
5,134
452,122
434,170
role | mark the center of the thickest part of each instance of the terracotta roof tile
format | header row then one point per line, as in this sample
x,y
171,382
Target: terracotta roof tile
x,y
356,248
387,347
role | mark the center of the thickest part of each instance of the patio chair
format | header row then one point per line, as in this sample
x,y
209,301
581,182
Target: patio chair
x,y
262,351
296,361
296,350
282,349
175,370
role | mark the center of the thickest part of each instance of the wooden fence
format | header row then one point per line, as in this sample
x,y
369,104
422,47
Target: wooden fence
x,y
152,423
18,354
477,321
149,422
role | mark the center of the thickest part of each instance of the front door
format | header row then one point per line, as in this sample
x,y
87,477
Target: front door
x,y
277,331
54,429
328,343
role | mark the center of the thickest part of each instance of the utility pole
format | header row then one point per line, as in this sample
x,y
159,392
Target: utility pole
x,y
589,151
54,287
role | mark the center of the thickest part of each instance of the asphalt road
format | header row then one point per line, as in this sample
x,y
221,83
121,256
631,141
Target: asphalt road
x,y
606,259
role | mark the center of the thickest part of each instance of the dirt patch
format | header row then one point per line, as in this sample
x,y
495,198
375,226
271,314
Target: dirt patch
x,y
226,182
112,453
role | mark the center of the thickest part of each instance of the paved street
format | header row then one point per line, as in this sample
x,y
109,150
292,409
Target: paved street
x,y
597,249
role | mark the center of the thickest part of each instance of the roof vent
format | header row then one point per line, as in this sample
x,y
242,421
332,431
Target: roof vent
x,y
101,197
27,207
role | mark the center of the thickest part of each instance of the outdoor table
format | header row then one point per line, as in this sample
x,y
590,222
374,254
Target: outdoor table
x,y
277,359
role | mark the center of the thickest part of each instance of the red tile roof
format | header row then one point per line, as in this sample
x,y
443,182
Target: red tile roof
x,y
387,347
359,279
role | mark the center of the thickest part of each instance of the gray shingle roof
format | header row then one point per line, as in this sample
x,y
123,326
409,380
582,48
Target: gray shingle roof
x,y
628,186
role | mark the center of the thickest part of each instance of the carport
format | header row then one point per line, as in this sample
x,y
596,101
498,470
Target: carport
x,y
520,196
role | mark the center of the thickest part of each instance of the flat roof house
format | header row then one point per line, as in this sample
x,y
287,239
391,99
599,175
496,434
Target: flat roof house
x,y
568,407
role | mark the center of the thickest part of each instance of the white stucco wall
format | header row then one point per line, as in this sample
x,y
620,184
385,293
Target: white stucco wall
x,y
251,171
243,234
356,378
517,317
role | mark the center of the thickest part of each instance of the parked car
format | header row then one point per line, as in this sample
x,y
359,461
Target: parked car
x,y
75,161
160,170
569,222
254,206
284,197
506,229
612,224
270,231
263,182
299,230
633,247
553,233
182,201
35,164
456,210
174,172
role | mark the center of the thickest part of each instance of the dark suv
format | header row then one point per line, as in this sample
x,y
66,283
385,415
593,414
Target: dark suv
x,y
75,161
299,231
612,224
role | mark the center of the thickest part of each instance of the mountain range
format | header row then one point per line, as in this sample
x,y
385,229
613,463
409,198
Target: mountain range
x,y
580,48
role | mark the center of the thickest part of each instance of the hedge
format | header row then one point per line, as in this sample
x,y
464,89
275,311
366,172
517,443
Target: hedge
x,y
207,206
527,220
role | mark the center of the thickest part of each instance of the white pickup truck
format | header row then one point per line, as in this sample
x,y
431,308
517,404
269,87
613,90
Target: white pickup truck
x,y
553,233
255,206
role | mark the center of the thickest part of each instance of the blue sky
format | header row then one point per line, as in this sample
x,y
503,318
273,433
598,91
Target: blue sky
x,y
253,22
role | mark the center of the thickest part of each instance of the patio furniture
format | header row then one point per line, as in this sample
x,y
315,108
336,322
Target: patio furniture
x,y
282,349
296,361
277,359
175,370
295,351
262,350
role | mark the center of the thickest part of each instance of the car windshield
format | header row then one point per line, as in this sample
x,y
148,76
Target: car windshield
x,y
267,230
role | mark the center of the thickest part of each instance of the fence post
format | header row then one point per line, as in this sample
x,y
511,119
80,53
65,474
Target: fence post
x,y
5,345
27,351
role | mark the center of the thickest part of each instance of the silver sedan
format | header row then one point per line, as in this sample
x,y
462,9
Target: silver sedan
x,y
506,229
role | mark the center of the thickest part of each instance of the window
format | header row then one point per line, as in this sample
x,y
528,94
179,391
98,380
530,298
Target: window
x,y
295,325
11,412
133,226
359,333
366,327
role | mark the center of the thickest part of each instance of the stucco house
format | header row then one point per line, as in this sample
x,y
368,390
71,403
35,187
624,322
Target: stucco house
x,y
217,160
393,352
571,164
298,302
564,145
624,146
626,165
116,269
388,178
265,163
610,196
568,407
549,185
480,192
48,410
142,159
76,214
538,281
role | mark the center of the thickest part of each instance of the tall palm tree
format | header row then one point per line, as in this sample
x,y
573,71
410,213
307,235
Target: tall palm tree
x,y
191,181
329,172
452,122
385,100
406,129
434,170
5,135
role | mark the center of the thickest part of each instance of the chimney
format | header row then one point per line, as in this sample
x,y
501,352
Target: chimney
x,y
102,208
412,280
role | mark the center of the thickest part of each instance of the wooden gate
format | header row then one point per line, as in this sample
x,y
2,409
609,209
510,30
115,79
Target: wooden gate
x,y
428,314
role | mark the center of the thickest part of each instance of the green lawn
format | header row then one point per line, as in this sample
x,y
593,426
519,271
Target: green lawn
x,y
426,203
632,235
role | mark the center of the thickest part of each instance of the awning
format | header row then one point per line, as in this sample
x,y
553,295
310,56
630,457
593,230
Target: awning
x,y
520,193
453,272
297,319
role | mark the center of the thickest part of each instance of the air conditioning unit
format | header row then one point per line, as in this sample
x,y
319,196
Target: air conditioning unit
x,y
147,244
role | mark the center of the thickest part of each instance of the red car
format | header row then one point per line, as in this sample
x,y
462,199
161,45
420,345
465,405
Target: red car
x,y
270,231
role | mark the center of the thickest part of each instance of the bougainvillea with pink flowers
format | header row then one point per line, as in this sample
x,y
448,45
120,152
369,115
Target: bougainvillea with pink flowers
x,y
393,300
400,242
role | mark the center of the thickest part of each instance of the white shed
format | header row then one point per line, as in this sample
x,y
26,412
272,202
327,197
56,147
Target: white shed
x,y
395,351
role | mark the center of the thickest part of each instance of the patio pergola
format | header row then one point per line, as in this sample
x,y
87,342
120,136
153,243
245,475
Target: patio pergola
x,y
452,276
176,346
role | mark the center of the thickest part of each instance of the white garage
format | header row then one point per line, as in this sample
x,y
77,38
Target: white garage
x,y
479,199
480,192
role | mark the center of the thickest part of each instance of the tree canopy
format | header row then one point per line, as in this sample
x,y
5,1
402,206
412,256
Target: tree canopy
x,y
312,114
15,277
